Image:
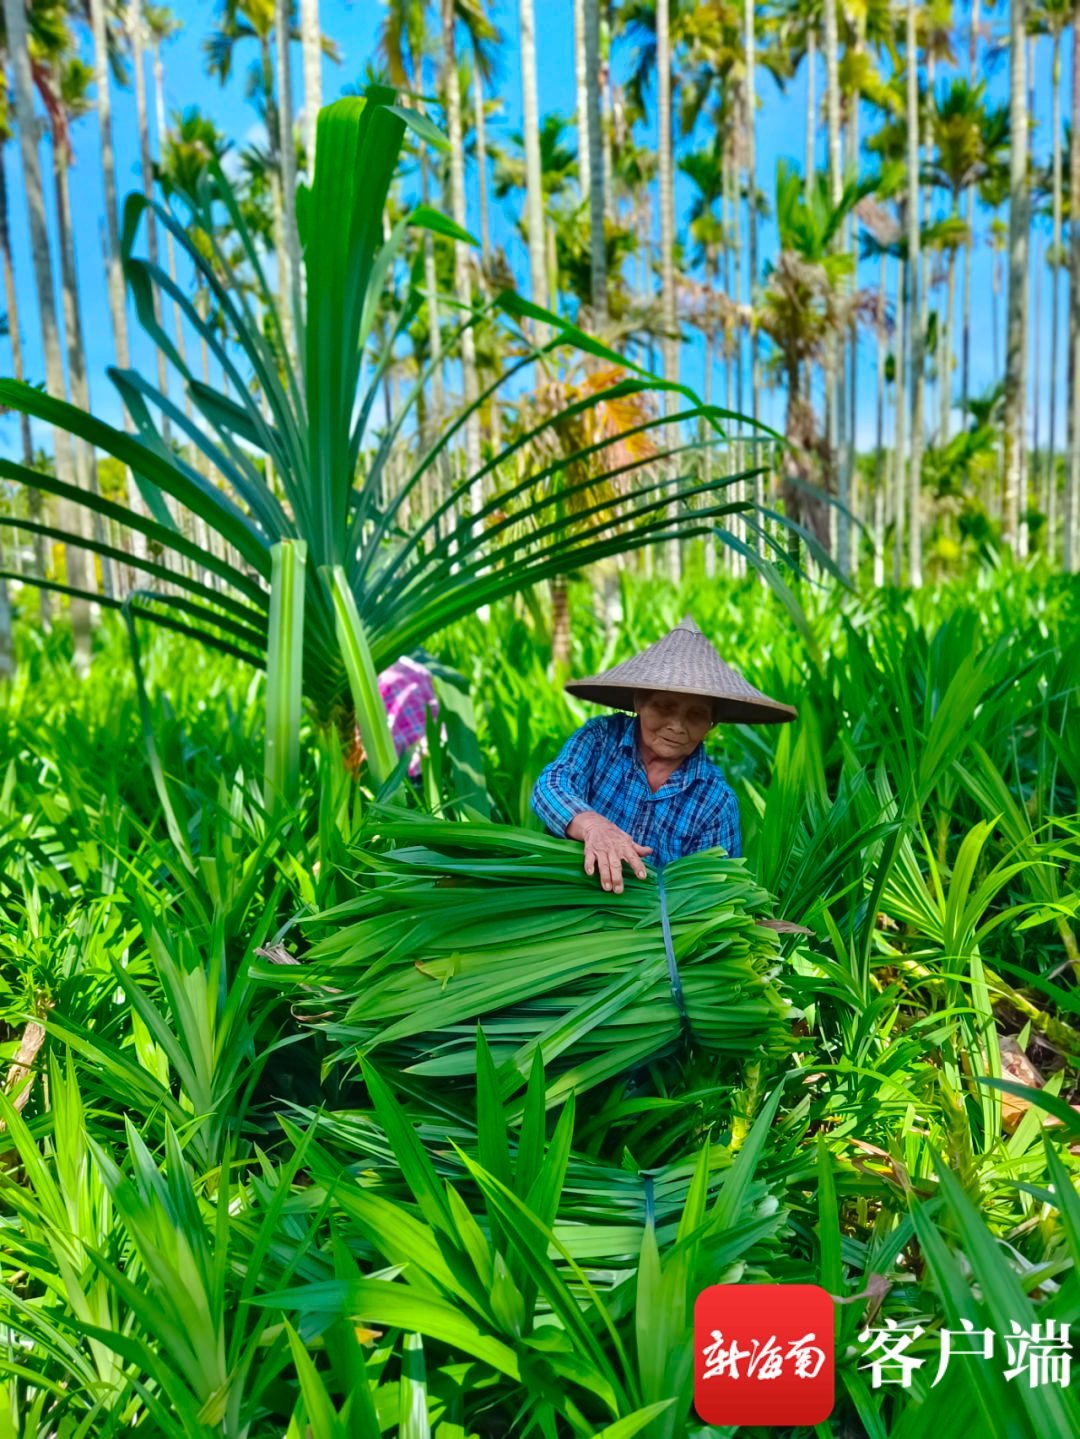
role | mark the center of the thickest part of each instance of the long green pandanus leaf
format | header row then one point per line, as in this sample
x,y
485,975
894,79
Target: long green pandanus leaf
x,y
413,1405
445,557
1040,1099
131,452
466,760
619,390
235,467
318,1408
150,528
370,711
566,333
443,564
147,566
284,674
358,144
632,1424
177,830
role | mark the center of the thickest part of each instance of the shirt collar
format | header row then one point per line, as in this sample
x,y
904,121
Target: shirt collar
x,y
691,768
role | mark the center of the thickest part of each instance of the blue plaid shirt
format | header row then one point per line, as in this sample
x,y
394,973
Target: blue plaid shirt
x,y
599,768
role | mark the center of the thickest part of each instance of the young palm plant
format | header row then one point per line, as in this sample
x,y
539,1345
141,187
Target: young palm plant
x,y
298,448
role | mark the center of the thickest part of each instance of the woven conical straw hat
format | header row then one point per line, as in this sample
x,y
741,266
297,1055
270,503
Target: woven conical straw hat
x,y
685,662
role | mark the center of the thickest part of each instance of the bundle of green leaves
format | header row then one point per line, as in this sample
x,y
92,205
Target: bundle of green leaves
x,y
457,924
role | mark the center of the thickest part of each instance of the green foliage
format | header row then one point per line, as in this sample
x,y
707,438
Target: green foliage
x,y
214,1225
310,420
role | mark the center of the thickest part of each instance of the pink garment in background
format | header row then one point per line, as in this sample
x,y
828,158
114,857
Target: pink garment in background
x,y
408,694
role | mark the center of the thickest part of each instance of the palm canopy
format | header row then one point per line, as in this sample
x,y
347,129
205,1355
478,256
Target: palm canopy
x,y
314,422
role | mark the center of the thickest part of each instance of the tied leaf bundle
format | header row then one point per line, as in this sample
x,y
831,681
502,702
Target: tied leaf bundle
x,y
481,923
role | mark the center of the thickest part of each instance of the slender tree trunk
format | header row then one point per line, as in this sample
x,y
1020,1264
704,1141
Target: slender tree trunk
x,y
995,291
1071,537
811,111
666,175
607,123
7,642
734,230
170,248
19,59
969,243
437,411
595,144
311,43
734,218
113,271
34,496
924,254
903,311
706,451
85,458
135,31
534,195
462,278
290,284
853,337
581,68
560,624
918,333
115,276
1056,261
965,339
482,166
726,204
194,526
552,261
836,475
277,198
946,364
1033,488
752,246
879,454
1026,462
1019,221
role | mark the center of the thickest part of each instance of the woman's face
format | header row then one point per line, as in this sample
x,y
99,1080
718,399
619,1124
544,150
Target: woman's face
x,y
672,725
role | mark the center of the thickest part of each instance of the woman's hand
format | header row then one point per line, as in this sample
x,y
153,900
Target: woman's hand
x,y
606,848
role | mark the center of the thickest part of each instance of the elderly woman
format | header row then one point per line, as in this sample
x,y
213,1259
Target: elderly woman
x,y
630,785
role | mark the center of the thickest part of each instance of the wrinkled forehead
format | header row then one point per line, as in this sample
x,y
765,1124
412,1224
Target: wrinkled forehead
x,y
669,699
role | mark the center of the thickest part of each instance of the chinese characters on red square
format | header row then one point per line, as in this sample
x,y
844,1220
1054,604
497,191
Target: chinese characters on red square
x,y
763,1354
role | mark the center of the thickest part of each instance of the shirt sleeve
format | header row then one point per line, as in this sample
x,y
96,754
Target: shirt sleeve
x,y
724,827
559,792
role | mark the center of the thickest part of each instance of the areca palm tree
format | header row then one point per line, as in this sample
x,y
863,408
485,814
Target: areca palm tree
x,y
18,52
1051,17
244,21
805,300
557,167
797,30
137,35
534,203
1016,325
967,134
312,49
705,170
462,274
14,334
598,177
375,587
916,321
68,83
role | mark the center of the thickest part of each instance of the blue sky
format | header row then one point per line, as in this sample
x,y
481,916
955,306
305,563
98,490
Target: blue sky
x,y
353,25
